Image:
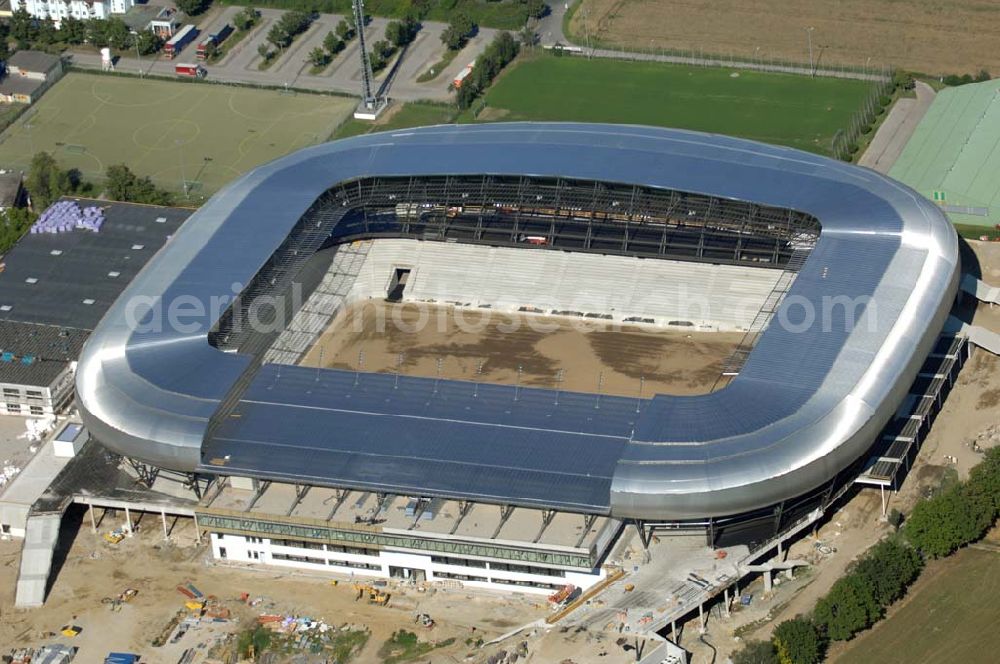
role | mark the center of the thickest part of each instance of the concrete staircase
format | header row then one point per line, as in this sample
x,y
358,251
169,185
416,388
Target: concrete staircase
x,y
40,539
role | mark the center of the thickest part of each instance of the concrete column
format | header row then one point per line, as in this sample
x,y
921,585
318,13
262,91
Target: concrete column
x,y
128,519
163,517
673,630
767,582
725,594
197,529
93,521
701,619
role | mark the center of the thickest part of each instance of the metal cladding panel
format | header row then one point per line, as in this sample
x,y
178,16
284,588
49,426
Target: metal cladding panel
x,y
805,406
419,435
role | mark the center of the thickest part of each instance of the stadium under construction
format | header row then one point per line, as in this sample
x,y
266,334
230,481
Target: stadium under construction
x,y
839,278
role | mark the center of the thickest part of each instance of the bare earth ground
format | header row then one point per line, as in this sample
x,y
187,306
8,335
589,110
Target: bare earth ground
x,y
928,36
488,346
94,569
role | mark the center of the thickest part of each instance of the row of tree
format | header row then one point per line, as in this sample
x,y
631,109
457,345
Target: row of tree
x,y
397,35
937,526
498,54
30,32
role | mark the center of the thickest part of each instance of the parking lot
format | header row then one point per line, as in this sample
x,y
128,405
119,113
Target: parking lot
x,y
292,67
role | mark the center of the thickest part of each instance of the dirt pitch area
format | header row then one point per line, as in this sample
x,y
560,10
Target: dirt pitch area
x,y
92,569
928,36
489,346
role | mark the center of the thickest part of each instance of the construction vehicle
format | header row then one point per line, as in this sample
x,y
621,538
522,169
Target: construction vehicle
x,y
425,620
563,594
115,536
375,596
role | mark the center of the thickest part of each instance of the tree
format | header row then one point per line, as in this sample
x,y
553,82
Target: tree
x,y
121,184
847,609
117,34
278,36
332,43
796,641
941,524
528,37
380,54
72,30
193,7
318,57
45,33
459,29
756,652
22,26
401,33
46,182
96,31
14,222
888,569
246,19
264,51
984,479
344,30
535,8
149,42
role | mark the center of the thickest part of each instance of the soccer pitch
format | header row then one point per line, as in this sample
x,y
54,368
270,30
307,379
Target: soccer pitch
x,y
171,131
797,111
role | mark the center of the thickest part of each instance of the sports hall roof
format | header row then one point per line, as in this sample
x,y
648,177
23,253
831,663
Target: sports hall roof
x,y
809,401
954,154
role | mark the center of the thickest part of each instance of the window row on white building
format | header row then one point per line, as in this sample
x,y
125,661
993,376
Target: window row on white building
x,y
382,563
57,10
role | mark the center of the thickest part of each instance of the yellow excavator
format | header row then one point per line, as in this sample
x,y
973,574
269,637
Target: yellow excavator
x,y
375,596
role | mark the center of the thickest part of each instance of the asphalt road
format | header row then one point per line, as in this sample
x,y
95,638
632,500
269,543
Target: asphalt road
x,y
896,130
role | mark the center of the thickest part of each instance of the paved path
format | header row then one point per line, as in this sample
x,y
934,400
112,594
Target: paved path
x,y
896,130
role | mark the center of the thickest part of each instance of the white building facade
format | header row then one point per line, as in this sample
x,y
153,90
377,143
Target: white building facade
x,y
38,400
471,572
57,10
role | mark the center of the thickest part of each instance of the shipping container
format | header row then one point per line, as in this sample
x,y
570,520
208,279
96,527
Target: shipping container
x,y
181,38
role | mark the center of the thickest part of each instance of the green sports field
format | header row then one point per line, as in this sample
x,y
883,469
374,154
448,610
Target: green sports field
x,y
168,130
797,111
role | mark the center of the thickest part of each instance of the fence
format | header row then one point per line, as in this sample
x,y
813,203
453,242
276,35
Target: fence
x,y
700,58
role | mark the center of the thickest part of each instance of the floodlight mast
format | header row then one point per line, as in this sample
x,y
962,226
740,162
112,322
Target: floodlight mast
x,y
367,78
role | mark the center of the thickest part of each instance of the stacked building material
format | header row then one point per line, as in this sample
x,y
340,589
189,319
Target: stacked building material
x,y
66,216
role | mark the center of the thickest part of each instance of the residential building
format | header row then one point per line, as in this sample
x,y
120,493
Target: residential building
x,y
57,10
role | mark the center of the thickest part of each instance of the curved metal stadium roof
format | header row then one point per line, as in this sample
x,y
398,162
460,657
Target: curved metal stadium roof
x,y
809,401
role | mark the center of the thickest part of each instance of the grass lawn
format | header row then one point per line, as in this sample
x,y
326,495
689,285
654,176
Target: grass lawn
x,y
209,134
414,114
949,615
797,111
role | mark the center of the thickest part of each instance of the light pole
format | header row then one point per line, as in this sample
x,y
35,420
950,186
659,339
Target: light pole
x,y
809,38
137,56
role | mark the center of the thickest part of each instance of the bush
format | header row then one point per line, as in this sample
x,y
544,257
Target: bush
x,y
756,652
797,641
848,608
459,29
193,7
498,54
888,569
123,185
951,519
